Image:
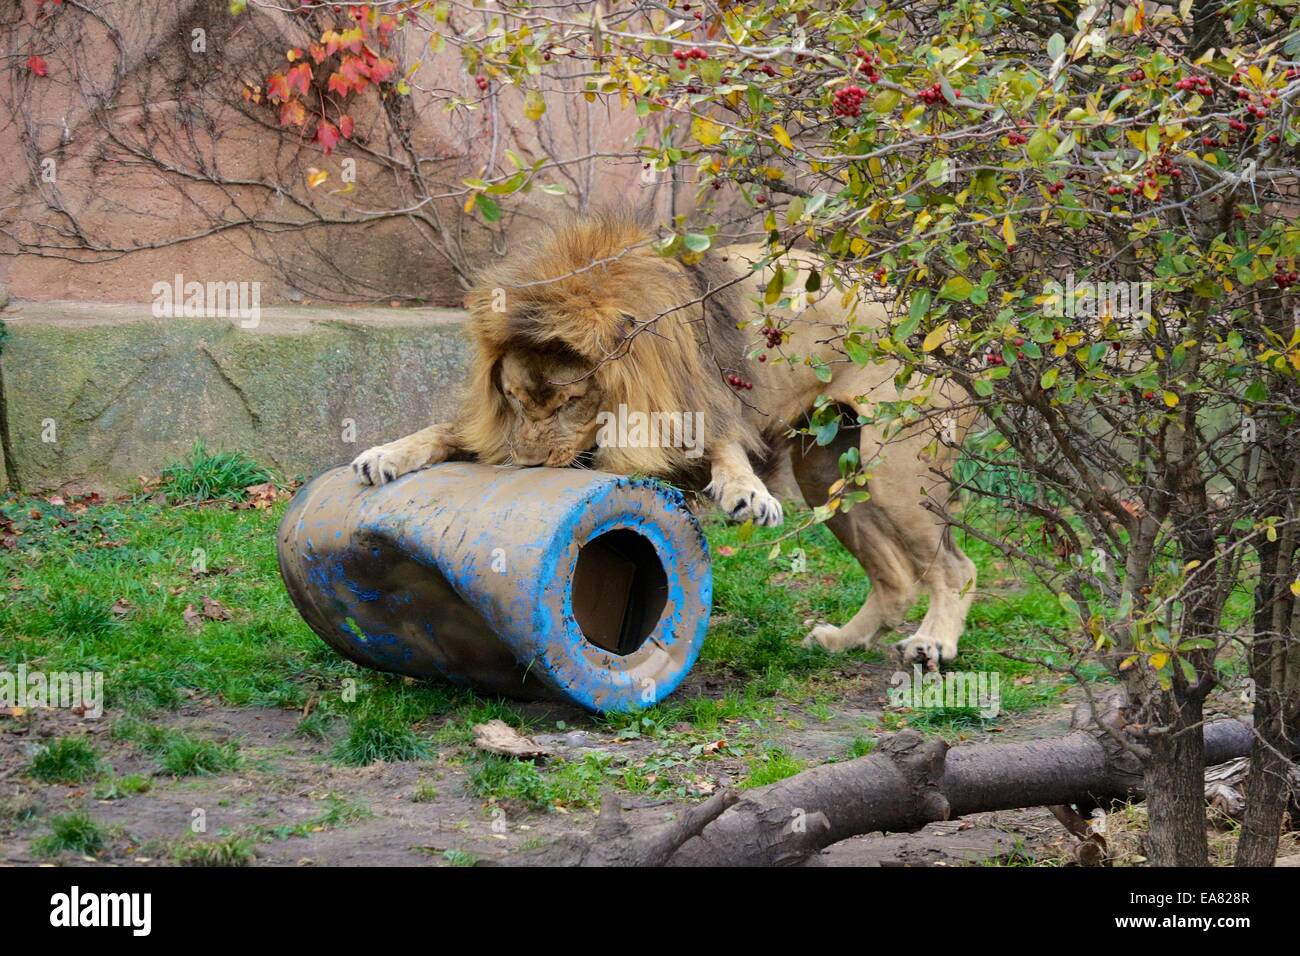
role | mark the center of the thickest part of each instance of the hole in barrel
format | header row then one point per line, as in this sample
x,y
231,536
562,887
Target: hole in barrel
x,y
619,590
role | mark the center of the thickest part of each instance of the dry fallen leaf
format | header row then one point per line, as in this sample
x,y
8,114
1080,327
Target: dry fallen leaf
x,y
262,496
498,737
215,610
122,607
193,619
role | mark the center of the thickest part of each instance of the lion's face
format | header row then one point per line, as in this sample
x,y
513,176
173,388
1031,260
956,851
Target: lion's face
x,y
554,400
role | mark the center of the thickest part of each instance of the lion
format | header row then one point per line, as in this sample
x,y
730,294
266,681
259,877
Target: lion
x,y
591,319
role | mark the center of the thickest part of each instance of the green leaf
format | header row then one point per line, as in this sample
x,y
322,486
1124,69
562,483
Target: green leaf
x,y
956,289
919,305
1041,145
903,331
697,241
886,100
1048,379
826,433
488,207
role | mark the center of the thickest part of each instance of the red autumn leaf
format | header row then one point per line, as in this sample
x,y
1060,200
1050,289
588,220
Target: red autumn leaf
x,y
338,83
345,126
37,65
300,78
382,69
293,113
327,135
277,87
355,70
317,52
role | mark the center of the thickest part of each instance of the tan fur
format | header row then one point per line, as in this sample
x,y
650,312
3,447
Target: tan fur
x,y
591,317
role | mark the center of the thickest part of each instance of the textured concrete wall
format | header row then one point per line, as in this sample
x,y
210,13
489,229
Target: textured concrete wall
x,y
122,393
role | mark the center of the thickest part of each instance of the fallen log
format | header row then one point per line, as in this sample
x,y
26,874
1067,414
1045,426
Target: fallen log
x,y
907,782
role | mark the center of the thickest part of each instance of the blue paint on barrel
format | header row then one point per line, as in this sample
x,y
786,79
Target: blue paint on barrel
x,y
471,573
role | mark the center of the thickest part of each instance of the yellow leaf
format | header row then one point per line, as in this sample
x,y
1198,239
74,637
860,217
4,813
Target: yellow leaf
x,y
708,133
782,136
1008,231
534,105
1295,588
934,339
469,203
1171,399
316,176
1271,533
1158,660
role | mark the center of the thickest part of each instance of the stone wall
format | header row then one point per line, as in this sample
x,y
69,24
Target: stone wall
x,y
95,395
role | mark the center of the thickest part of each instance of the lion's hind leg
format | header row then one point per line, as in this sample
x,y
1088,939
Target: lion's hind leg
x,y
904,547
950,580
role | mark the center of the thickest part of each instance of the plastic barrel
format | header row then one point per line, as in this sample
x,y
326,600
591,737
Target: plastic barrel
x,y
525,582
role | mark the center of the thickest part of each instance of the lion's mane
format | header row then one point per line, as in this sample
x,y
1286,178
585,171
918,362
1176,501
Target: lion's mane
x,y
662,336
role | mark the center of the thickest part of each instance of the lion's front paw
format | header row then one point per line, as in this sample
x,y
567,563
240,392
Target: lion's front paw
x,y
929,651
746,498
382,464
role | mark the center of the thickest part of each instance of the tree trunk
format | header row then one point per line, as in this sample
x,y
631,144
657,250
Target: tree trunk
x,y
1175,787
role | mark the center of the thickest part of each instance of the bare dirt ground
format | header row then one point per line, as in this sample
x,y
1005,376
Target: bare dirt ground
x,y
301,809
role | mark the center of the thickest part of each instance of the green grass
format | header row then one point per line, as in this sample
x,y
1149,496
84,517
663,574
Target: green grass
x,y
380,734
861,747
208,476
568,783
105,588
118,788
228,851
75,832
770,767
64,582
66,760
178,753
